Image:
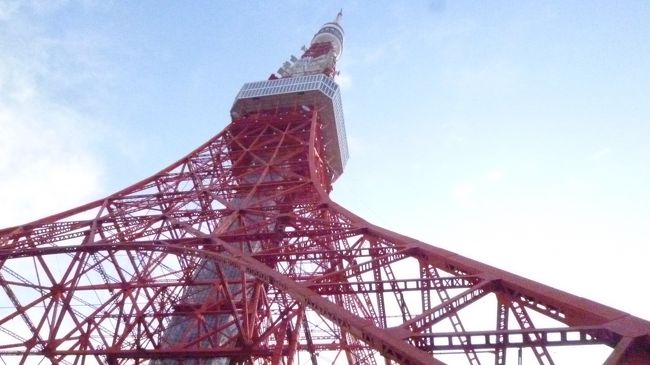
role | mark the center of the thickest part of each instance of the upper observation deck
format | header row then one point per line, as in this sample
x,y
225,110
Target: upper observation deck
x,y
307,82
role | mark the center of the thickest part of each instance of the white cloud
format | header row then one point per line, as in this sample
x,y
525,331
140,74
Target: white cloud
x,y
463,193
488,77
7,9
344,81
494,176
601,153
46,161
467,192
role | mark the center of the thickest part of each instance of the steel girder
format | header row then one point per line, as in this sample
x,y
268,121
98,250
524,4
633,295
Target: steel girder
x,y
236,254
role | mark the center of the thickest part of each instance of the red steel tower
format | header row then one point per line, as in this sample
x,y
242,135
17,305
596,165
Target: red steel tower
x,y
235,254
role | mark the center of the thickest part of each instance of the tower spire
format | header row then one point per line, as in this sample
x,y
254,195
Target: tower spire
x,y
339,16
320,58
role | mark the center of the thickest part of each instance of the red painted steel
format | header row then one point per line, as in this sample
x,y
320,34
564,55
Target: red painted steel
x,y
236,254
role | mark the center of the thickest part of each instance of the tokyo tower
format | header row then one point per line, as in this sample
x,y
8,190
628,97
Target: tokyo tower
x,y
235,254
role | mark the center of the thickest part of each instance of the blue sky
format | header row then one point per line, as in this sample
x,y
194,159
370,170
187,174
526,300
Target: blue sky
x,y
514,133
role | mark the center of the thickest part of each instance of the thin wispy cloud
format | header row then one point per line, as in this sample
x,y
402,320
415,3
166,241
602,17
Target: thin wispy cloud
x,y
468,192
344,80
602,153
46,159
463,193
489,77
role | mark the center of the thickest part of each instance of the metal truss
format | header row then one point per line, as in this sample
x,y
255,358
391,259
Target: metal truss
x,y
235,254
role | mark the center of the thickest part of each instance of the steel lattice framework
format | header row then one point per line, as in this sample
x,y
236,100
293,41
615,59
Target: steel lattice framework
x,y
235,254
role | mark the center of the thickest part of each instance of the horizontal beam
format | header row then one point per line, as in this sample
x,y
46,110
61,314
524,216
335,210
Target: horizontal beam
x,y
190,353
477,340
387,286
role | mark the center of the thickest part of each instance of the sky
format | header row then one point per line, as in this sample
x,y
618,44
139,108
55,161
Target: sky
x,y
514,133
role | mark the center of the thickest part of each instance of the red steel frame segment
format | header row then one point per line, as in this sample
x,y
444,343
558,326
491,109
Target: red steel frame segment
x,y
323,281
